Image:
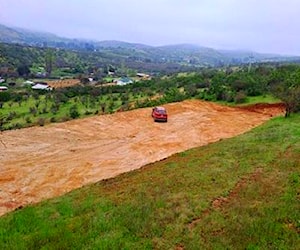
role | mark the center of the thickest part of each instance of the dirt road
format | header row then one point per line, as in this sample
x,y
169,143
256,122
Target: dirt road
x,y
42,162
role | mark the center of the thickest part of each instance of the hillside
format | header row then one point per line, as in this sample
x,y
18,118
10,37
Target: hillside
x,y
14,55
41,39
182,54
238,193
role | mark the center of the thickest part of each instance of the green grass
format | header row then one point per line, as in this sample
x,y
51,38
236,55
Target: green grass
x,y
262,99
173,203
253,100
108,79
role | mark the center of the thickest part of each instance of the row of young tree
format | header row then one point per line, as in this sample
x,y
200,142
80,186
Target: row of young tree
x,y
210,84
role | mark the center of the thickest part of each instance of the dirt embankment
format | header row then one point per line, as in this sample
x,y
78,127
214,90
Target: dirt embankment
x,y
265,108
43,162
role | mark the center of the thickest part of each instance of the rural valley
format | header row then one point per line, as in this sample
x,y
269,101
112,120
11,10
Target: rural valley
x,y
83,165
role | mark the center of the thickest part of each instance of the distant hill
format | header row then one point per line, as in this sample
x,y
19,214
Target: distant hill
x,y
40,39
193,54
119,44
118,51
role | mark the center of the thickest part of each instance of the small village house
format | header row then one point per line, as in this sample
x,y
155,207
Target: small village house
x,y
123,81
3,88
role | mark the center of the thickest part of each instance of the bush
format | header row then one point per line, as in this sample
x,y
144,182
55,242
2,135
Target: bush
x,y
44,110
64,119
53,119
11,115
229,96
74,113
54,108
41,121
28,120
240,97
5,96
16,126
33,111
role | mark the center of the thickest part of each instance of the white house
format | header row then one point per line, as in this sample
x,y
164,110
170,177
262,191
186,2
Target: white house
x,y
124,81
28,83
40,86
3,88
142,75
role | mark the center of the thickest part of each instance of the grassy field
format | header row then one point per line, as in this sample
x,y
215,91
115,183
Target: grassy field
x,y
239,193
261,99
253,100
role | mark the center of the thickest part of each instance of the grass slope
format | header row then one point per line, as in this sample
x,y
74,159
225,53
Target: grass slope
x,y
239,193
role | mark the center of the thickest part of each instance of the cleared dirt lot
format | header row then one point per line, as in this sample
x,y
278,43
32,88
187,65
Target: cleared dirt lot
x,y
63,83
42,162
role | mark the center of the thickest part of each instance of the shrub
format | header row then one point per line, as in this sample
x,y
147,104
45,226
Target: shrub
x,y
11,115
74,113
229,96
65,118
44,110
28,120
16,126
41,121
54,108
33,110
240,97
53,119
5,96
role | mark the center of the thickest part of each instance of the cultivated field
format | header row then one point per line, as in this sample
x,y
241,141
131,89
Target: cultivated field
x,y
43,162
63,83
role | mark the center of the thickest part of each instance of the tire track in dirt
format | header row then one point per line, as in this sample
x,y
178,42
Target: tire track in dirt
x,y
43,162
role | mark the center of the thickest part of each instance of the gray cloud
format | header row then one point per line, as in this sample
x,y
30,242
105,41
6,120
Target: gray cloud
x,y
264,26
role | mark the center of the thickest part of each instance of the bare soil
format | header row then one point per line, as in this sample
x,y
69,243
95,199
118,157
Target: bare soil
x,y
38,163
63,83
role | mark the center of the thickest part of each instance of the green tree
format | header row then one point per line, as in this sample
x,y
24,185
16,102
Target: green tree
x,y
74,113
218,86
49,61
174,95
5,96
289,95
284,84
23,70
2,122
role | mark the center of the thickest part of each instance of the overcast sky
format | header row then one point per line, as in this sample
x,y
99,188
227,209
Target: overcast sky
x,y
261,25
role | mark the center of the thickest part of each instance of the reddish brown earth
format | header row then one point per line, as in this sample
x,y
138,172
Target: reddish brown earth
x,y
63,83
43,162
